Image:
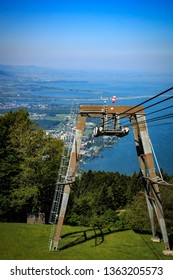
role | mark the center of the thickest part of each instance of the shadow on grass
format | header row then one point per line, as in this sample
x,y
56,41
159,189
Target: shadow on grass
x,y
150,244
96,234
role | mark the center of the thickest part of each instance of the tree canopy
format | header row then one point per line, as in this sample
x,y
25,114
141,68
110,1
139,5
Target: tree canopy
x,y
29,160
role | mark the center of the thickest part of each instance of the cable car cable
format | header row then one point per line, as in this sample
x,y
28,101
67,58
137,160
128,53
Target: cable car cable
x,y
168,116
156,103
160,124
155,96
161,101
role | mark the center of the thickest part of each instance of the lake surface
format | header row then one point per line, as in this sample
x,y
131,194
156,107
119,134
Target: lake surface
x,y
98,88
129,90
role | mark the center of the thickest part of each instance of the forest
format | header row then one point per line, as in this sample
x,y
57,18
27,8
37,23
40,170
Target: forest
x,y
29,164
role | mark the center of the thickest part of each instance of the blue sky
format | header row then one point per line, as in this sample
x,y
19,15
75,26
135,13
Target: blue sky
x,y
92,35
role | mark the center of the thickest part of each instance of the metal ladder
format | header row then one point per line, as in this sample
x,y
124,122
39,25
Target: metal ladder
x,y
58,194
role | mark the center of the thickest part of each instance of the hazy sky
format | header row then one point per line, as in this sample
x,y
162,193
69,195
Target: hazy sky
x,y
104,35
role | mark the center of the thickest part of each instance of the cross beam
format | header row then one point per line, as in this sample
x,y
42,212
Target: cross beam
x,y
96,111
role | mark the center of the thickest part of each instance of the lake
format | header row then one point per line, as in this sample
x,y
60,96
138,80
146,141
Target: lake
x,y
64,87
129,90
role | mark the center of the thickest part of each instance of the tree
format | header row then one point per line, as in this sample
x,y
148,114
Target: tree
x,y
137,214
30,161
9,158
166,193
96,197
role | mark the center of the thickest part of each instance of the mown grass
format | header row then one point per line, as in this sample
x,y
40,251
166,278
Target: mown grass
x,y
30,242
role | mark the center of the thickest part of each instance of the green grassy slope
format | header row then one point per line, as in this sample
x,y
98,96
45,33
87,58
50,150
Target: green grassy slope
x,y
24,241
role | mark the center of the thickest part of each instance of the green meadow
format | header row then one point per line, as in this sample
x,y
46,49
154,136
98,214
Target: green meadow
x,y
30,242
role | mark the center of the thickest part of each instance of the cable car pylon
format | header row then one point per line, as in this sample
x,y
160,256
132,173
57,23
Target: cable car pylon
x,y
151,181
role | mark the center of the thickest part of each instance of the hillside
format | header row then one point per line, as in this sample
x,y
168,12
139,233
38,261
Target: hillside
x,y
30,242
29,165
